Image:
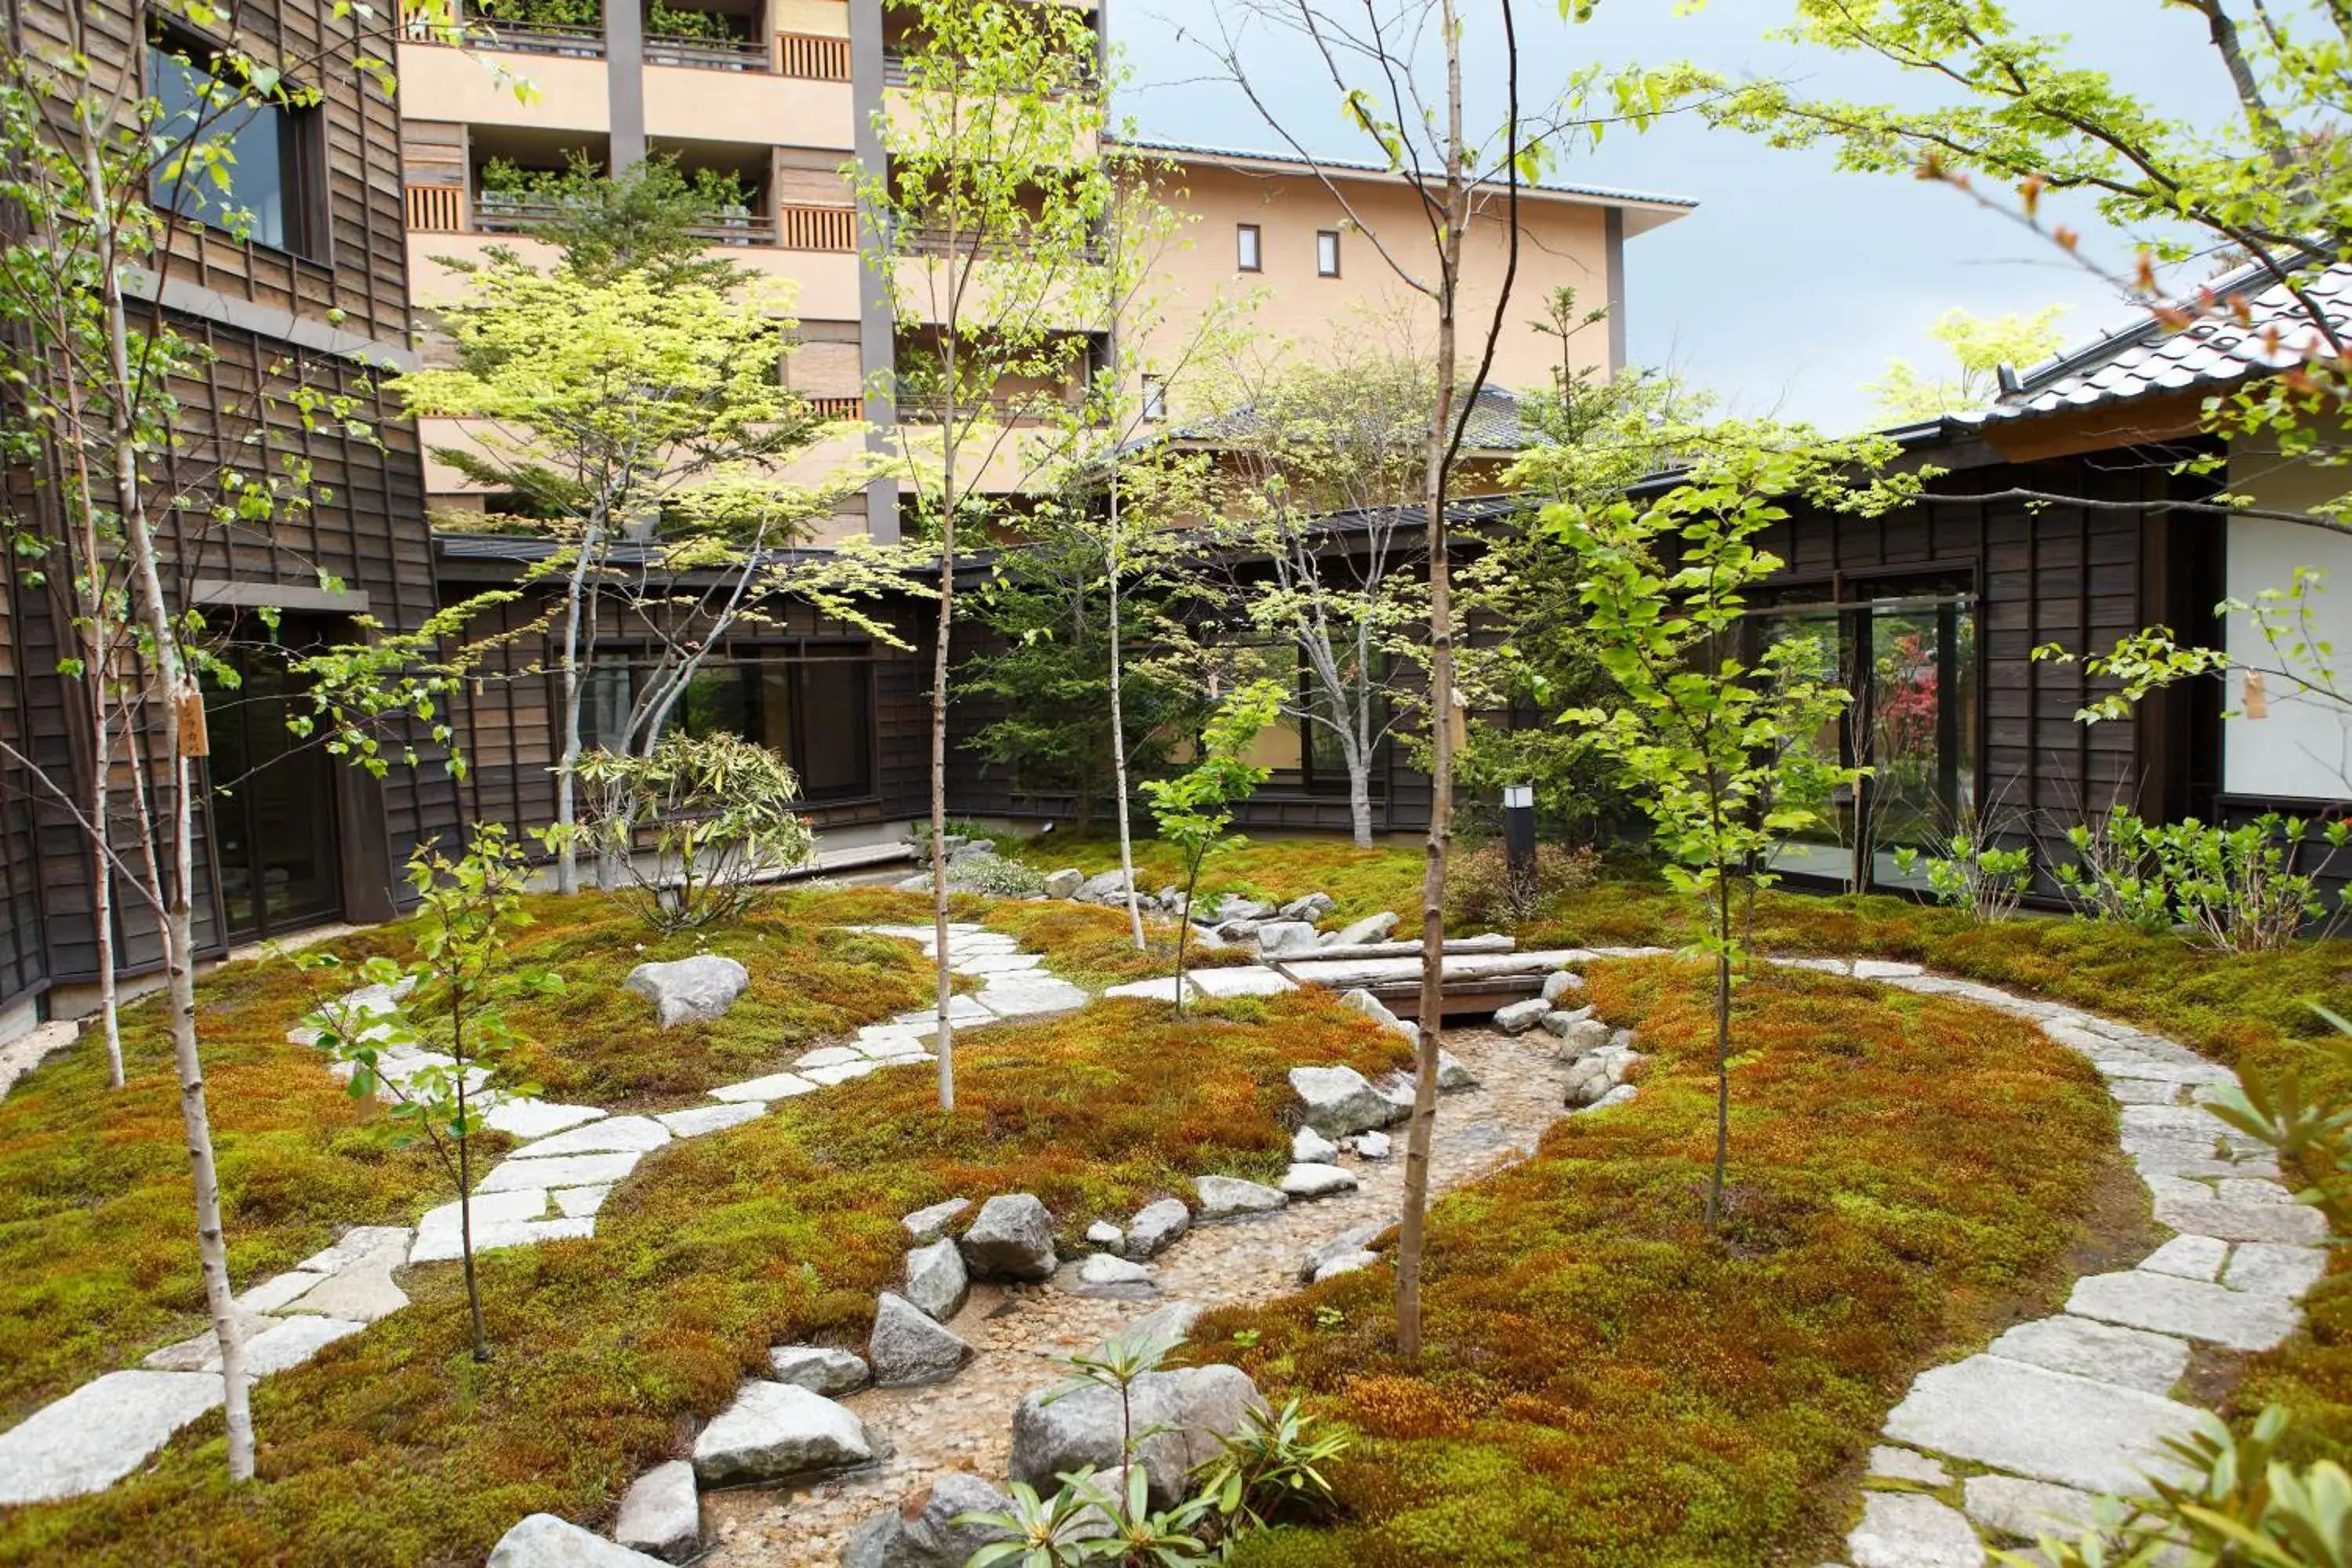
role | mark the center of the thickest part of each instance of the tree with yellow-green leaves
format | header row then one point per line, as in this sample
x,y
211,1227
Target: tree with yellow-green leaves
x,y
1980,345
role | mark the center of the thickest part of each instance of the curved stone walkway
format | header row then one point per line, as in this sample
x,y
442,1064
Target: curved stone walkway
x,y
550,1189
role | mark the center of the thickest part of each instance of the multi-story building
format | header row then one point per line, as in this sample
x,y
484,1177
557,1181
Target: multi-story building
x,y
315,292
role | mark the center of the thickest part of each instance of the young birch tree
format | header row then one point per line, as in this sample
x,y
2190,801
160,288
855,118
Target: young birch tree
x,y
984,231
1378,61
90,371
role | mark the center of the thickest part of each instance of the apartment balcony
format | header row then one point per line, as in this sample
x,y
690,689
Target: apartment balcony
x,y
816,246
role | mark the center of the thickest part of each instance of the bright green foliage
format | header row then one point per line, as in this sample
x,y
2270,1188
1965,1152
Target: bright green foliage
x,y
1980,345
1603,1387
2310,1134
1272,1470
1718,748
464,979
650,217
1968,870
694,827
1195,807
2234,890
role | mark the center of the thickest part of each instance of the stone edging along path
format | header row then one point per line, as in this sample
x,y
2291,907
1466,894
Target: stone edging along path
x,y
2002,1444
549,1189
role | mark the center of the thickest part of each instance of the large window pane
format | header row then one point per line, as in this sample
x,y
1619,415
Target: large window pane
x,y
835,756
257,142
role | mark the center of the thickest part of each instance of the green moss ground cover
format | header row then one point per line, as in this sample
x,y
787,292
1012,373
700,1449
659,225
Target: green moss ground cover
x,y
1362,881
98,1244
1089,944
1601,1384
393,1449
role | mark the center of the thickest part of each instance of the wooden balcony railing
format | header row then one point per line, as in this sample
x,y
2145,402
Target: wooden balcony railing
x,y
896,72
703,54
817,228
809,58
838,408
436,209
498,214
928,241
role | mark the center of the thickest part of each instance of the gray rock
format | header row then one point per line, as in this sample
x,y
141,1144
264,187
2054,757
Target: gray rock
x,y
909,1347
927,1225
1105,1235
1285,939
1357,1239
1064,883
1372,1145
1373,1008
2028,1510
661,1514
99,1433
1316,1181
2028,1421
1454,1074
1103,888
922,1531
1580,1034
1903,1465
689,990
1909,1529
1103,1274
1310,907
1190,1408
2130,1358
2189,1307
775,1430
937,1280
1155,1226
1230,1197
1593,1077
1345,1263
1560,982
2190,1257
1339,1100
820,1369
1519,1017
1234,907
2267,1268
1397,1089
543,1541
1371,928
1012,1239
1621,1095
1311,1147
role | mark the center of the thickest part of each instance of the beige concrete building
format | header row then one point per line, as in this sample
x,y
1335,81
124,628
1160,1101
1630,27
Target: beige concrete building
x,y
782,94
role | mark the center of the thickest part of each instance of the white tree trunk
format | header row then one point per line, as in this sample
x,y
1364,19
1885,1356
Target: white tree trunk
x,y
1118,730
567,809
102,858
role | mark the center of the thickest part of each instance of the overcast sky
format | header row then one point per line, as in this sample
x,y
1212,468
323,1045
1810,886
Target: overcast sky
x,y
1791,284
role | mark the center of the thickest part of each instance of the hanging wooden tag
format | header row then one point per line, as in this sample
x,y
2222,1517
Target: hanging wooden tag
x,y
196,740
2258,701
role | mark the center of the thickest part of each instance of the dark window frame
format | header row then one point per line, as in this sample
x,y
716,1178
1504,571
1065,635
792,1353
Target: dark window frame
x,y
1155,397
1332,237
303,153
1249,247
794,658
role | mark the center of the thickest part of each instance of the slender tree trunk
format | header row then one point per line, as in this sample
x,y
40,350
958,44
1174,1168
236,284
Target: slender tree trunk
x,y
1722,1051
465,1181
944,1039
1184,926
1119,725
567,815
1413,1235
101,858
1359,795
178,697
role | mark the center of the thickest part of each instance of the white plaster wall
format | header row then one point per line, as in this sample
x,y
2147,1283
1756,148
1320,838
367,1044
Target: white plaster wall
x,y
2303,749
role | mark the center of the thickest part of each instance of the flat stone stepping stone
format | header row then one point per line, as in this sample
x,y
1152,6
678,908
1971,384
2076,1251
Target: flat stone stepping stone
x,y
2268,1268
2104,1353
1160,990
1879,969
960,1006
580,1203
565,1171
99,1433
361,1247
276,1291
1910,1530
1026,998
543,1541
536,1118
1316,1181
820,1369
614,1135
2008,1505
828,1077
774,1430
827,1055
2028,1420
2190,1256
2268,1221
996,963
707,1119
290,1343
1104,1275
775,1086
200,1352
1903,1465
2189,1307
501,1237
661,1514
1252,981
1230,1197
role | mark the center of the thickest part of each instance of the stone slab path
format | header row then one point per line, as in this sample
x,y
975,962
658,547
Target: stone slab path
x,y
550,1189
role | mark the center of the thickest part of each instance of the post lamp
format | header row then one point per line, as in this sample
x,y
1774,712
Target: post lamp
x,y
1520,834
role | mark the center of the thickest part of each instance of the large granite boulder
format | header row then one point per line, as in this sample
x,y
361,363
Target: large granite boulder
x,y
1186,1411
936,1278
661,1514
927,1225
820,1369
1519,1017
907,1347
1103,888
777,1430
1156,1226
1012,1239
1230,1197
689,990
1286,939
1309,907
543,1541
1063,884
1339,1100
922,1531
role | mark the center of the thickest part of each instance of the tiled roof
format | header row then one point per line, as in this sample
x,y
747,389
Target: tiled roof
x,y
2147,358
1498,424
1604,194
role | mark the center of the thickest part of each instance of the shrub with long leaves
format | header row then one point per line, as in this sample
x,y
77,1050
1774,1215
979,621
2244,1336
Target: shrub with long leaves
x,y
694,828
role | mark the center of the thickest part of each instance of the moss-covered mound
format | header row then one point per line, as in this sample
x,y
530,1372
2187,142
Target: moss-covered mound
x,y
394,1450
1362,881
1605,1384
98,1220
